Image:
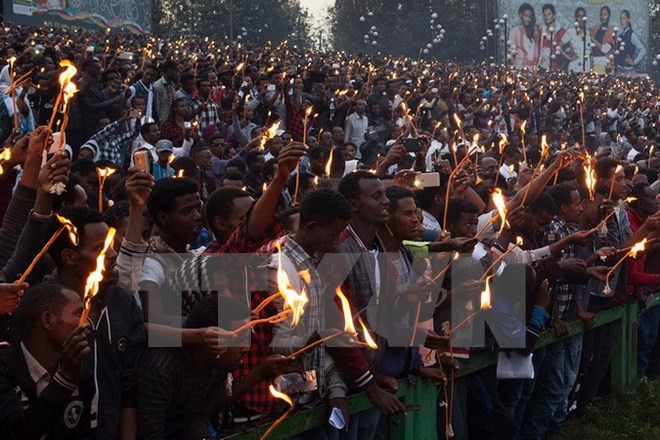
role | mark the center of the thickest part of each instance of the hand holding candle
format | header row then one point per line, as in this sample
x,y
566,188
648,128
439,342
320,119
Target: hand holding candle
x,y
634,250
103,174
73,237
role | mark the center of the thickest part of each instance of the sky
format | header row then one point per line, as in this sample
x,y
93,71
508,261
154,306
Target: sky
x,y
316,7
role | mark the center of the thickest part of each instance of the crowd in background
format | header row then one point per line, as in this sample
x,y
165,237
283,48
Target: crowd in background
x,y
417,176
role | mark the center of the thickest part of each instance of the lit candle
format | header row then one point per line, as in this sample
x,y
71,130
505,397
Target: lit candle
x,y
94,279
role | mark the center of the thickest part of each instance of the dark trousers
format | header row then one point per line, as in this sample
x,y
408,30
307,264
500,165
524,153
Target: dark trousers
x,y
488,418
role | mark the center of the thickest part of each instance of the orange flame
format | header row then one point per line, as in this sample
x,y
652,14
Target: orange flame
x,y
346,310
180,175
367,336
328,166
545,149
305,275
500,204
485,295
69,90
519,241
590,177
6,154
268,135
70,228
278,395
95,278
458,120
638,247
105,172
293,300
66,76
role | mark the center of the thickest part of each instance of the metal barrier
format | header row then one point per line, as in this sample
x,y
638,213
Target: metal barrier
x,y
420,425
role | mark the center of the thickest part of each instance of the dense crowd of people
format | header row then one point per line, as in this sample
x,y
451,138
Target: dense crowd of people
x,y
405,197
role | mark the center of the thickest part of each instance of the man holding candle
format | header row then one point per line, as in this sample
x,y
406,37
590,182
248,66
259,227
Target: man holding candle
x,y
559,361
44,391
115,318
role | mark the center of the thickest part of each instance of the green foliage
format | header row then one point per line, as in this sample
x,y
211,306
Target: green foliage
x,y
632,415
256,21
404,26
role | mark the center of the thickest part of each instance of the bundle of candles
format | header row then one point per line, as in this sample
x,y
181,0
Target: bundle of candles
x,y
67,90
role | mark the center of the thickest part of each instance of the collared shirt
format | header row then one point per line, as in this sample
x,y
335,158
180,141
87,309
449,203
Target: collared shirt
x,y
38,373
210,116
114,141
557,230
355,129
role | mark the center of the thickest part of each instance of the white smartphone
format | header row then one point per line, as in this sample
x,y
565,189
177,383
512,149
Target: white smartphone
x,y
427,180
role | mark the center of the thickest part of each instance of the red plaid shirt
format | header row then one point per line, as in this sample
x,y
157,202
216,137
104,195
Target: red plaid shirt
x,y
295,121
171,130
258,398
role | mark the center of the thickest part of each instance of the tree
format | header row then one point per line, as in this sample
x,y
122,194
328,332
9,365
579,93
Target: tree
x,y
404,26
255,22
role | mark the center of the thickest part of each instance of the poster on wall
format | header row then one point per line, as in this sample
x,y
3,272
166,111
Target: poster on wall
x,y
132,15
603,36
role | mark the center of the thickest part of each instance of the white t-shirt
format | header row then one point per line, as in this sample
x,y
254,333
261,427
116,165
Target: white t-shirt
x,y
152,271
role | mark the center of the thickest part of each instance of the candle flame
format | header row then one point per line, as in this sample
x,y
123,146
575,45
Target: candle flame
x,y
279,395
239,67
268,135
6,154
367,336
638,247
545,149
68,74
458,120
328,166
293,300
346,310
500,204
95,278
316,181
519,241
485,295
305,275
522,127
105,172
180,175
70,228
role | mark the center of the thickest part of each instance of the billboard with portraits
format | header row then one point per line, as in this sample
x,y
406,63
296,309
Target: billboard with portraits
x,y
604,36
133,15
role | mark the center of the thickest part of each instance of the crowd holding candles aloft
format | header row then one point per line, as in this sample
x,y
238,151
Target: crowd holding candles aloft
x,y
188,148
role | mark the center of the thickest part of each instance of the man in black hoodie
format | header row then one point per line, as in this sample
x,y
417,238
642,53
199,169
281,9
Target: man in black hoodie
x,y
115,319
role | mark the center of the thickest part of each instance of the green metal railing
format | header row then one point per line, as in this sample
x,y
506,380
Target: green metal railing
x,y
420,425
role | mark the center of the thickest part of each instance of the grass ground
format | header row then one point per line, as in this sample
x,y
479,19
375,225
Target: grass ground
x,y
634,414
